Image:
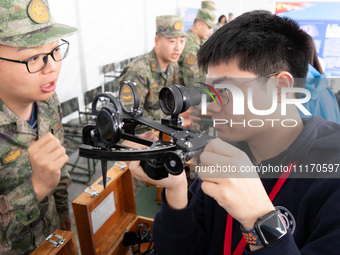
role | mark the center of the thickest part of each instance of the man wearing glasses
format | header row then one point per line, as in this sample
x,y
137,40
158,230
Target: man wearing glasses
x,y
273,186
34,181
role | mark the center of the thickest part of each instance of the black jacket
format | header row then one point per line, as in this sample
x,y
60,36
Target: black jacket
x,y
312,198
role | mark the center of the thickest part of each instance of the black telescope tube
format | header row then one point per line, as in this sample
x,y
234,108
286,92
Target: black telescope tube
x,y
177,99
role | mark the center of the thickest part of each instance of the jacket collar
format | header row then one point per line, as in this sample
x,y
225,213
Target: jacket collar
x,y
194,37
8,117
154,64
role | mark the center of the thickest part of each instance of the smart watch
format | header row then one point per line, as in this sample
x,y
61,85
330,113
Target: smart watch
x,y
267,230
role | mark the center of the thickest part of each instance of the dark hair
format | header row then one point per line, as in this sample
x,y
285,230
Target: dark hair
x,y
314,60
221,17
261,43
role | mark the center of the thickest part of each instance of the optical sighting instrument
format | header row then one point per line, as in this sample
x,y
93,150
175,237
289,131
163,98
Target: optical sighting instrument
x,y
115,120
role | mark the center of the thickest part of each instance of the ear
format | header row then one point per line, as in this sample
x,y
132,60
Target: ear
x,y
198,24
283,80
156,41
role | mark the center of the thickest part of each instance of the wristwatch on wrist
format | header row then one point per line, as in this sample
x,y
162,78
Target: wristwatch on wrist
x,y
267,230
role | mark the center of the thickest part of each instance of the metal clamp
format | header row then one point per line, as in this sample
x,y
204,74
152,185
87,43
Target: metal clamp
x,y
119,164
56,243
94,193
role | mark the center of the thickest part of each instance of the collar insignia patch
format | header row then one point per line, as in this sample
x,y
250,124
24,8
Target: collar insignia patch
x,y
11,156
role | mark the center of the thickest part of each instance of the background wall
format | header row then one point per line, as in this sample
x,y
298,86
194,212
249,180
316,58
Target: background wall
x,y
112,30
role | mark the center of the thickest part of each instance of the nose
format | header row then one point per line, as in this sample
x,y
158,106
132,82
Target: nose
x,y
214,108
181,45
51,65
177,45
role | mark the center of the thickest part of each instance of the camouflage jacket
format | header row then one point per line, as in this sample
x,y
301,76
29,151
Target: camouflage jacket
x,y
25,223
188,68
146,72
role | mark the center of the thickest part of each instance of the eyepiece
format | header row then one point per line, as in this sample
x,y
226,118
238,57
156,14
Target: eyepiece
x,y
173,163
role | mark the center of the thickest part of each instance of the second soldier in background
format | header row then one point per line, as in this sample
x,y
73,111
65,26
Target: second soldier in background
x,y
158,68
197,35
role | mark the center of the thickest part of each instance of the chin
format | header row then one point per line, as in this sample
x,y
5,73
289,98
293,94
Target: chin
x,y
45,96
174,60
229,136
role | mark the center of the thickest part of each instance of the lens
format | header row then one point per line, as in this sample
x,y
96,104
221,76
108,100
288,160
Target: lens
x,y
169,101
127,98
36,63
60,52
177,99
105,127
224,95
108,127
87,134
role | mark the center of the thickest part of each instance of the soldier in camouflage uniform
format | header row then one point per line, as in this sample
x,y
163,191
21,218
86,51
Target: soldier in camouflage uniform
x,y
197,34
34,181
210,5
158,68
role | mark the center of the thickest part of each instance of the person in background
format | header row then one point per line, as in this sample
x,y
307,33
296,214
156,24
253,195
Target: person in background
x,y
323,101
222,20
189,71
34,181
200,30
158,68
230,16
209,5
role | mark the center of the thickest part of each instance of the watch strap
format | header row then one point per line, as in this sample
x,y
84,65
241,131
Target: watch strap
x,y
256,236
251,236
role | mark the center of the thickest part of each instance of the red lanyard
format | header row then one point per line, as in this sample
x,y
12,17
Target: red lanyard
x,y
229,226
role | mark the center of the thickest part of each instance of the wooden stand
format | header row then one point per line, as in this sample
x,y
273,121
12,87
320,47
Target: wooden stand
x,y
102,219
67,247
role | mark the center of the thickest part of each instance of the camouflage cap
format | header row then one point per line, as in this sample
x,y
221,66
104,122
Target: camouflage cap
x,y
28,23
207,16
210,5
170,26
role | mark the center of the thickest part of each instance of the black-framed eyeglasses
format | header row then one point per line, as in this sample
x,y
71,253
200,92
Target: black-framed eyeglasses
x,y
224,93
38,62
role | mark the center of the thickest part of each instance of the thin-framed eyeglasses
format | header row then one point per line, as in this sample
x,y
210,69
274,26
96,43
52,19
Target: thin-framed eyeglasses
x,y
224,92
39,62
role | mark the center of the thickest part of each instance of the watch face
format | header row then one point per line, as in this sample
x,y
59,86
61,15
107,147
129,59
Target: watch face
x,y
271,228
